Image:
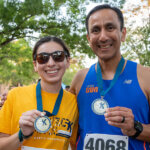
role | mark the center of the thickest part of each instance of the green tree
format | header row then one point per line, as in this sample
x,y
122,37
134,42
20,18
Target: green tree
x,y
118,3
22,19
137,45
65,18
16,63
29,19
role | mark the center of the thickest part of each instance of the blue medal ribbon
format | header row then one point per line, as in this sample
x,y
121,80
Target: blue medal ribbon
x,y
100,79
39,101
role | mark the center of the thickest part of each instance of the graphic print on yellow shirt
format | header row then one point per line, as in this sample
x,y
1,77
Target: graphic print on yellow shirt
x,y
23,99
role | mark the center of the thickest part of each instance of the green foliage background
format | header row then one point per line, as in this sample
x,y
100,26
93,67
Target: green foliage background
x,y
22,22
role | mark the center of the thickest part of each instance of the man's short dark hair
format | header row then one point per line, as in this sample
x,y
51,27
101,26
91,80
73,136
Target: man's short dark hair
x,y
67,86
106,6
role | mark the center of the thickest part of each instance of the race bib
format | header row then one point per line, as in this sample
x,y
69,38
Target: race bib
x,y
105,142
33,148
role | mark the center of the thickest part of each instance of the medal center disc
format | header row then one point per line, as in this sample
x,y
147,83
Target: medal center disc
x,y
99,106
42,124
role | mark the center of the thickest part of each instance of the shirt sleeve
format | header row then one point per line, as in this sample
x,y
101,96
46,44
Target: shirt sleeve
x,y
6,115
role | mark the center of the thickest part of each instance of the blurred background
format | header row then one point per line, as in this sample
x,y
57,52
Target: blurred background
x,y
23,22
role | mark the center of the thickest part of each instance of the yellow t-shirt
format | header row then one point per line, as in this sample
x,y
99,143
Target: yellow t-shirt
x,y
22,99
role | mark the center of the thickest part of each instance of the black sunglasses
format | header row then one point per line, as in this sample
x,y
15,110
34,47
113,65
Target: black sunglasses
x,y
58,56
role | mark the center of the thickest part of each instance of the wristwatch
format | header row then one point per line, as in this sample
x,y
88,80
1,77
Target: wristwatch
x,y
138,127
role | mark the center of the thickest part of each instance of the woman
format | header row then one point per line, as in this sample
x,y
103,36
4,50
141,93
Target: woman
x,y
41,115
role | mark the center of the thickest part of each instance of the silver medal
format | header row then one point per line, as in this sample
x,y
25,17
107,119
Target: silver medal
x,y
42,124
99,106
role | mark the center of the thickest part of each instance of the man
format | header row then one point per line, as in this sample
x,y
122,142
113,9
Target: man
x,y
67,87
114,94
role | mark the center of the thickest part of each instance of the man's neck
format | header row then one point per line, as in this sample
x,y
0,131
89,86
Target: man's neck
x,y
108,68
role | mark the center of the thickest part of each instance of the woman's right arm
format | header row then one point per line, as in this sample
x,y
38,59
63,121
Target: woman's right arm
x,y
8,142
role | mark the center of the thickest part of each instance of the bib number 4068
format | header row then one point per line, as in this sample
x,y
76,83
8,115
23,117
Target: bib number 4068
x,y
105,143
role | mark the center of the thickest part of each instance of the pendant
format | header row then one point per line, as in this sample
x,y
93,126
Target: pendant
x,y
42,124
99,106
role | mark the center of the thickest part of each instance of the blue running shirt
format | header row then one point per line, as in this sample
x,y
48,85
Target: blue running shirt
x,y
94,132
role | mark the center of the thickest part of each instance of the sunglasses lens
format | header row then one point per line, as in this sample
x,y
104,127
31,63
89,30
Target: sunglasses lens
x,y
58,56
42,58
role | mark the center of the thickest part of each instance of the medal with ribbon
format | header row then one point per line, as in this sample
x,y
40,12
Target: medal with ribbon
x,y
42,124
99,106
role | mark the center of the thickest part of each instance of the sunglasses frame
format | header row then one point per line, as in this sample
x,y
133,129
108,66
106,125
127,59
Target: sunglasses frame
x,y
53,54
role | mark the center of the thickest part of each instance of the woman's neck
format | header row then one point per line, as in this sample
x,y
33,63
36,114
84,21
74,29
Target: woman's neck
x,y
50,87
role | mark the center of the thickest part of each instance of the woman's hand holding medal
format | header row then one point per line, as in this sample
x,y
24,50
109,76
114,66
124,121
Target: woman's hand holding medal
x,y
27,120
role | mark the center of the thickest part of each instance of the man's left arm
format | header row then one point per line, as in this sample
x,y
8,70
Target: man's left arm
x,y
143,74
124,118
